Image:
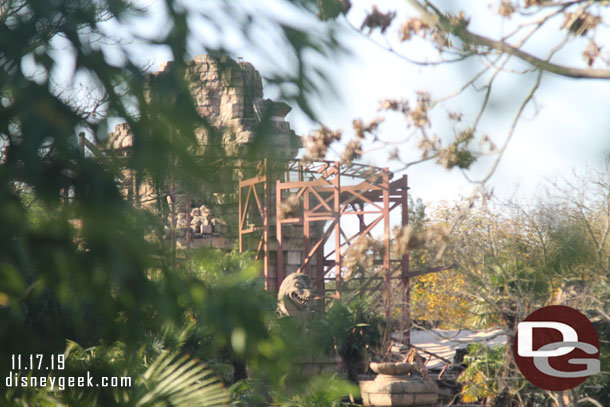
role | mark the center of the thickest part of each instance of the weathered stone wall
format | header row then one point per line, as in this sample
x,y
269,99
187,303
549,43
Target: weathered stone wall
x,y
121,138
229,95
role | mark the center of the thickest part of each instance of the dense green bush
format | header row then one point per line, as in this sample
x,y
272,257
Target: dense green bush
x,y
351,330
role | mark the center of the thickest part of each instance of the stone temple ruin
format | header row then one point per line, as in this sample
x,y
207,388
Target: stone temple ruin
x,y
295,215
229,96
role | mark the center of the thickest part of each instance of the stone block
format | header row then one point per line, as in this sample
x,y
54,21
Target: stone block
x,y
203,58
239,92
289,269
380,399
396,400
202,241
232,77
292,244
221,243
405,391
294,257
273,245
426,399
220,228
294,230
237,110
393,384
399,384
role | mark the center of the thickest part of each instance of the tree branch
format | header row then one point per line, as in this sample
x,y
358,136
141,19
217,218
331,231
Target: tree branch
x,y
443,23
589,400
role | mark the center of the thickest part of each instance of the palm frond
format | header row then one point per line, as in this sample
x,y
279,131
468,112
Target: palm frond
x,y
30,397
178,381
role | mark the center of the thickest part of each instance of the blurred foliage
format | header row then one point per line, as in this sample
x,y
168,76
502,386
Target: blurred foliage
x,y
417,213
236,317
217,267
598,386
167,380
173,381
513,259
483,364
437,298
354,331
320,391
324,391
248,393
74,260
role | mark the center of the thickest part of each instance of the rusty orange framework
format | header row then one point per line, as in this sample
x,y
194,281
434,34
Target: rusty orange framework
x,y
328,193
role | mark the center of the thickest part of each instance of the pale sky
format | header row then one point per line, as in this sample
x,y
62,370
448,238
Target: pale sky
x,y
568,130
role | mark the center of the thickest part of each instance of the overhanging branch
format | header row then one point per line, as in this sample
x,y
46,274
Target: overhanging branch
x,y
437,19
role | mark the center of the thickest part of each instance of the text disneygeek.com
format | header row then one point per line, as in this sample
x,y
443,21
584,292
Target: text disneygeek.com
x,y
61,382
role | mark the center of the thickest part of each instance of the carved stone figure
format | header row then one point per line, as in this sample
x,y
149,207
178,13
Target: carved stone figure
x,y
295,296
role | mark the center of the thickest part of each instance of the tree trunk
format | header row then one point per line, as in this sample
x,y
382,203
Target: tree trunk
x,y
239,370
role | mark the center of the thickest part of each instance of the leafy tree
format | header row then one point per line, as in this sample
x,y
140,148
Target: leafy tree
x,y
514,259
511,259
76,264
323,391
482,365
354,331
437,298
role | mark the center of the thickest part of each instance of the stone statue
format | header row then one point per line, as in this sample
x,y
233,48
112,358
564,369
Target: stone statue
x,y
295,296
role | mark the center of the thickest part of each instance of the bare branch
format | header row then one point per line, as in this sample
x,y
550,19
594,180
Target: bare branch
x,y
589,400
437,19
388,47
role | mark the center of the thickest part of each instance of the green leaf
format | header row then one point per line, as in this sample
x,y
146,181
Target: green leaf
x,y
178,381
